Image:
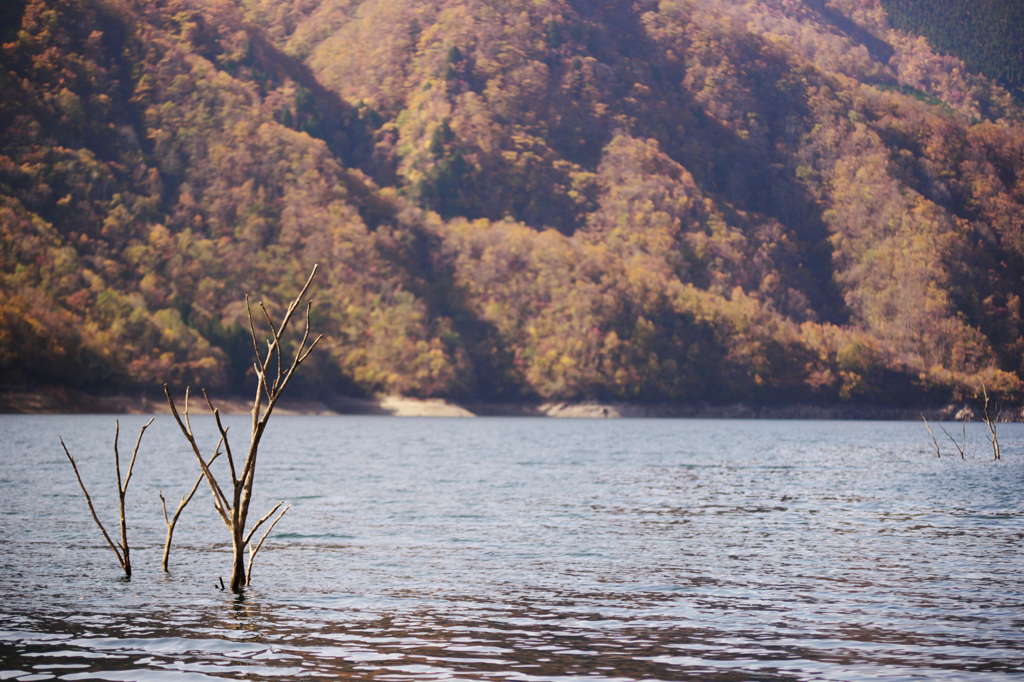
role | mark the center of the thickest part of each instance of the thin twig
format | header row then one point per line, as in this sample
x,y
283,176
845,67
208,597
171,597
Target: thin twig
x,y
220,501
253,550
963,435
223,435
181,507
259,523
135,452
117,459
298,299
275,347
932,434
955,444
252,330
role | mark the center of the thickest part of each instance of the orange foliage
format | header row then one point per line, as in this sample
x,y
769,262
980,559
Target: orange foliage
x,y
654,201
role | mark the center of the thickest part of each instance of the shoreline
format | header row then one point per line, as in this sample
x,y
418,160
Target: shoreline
x,y
69,401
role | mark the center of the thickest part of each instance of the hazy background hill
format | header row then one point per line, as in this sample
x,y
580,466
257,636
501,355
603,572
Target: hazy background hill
x,y
675,201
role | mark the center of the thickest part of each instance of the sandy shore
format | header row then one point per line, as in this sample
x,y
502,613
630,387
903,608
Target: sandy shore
x,y
66,401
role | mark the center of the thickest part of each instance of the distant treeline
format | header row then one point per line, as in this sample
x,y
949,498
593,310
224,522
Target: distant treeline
x,y
987,34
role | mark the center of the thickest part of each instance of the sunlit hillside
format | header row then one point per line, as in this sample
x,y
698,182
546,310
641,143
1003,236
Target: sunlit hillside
x,y
703,200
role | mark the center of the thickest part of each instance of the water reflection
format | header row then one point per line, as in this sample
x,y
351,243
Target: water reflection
x,y
526,549
476,640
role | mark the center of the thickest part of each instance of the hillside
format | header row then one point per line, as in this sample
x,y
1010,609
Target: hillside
x,y
987,34
697,200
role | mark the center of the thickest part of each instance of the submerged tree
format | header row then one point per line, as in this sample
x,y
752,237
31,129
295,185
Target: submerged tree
x,y
234,507
991,422
172,521
123,555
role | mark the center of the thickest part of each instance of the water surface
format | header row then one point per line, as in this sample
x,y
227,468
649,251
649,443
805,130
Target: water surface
x,y
524,549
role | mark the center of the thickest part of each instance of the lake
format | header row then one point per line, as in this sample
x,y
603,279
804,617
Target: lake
x,y
523,549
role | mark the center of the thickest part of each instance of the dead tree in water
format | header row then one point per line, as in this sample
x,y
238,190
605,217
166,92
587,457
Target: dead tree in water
x,y
991,422
234,509
173,521
123,556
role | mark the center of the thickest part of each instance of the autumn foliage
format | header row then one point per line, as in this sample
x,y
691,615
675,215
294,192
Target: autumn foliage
x,y
674,200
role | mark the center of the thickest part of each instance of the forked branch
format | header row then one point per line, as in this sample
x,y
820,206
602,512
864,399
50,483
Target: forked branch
x,y
220,501
92,510
962,446
253,550
992,423
124,553
173,521
223,437
256,526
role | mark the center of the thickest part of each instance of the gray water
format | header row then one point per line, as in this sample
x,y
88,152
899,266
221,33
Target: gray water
x,y
524,549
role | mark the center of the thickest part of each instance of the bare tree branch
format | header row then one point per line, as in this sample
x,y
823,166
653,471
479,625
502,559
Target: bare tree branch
x,y
259,523
220,501
992,424
224,437
92,510
958,446
181,507
117,457
135,452
274,347
932,434
252,330
253,550
124,555
122,489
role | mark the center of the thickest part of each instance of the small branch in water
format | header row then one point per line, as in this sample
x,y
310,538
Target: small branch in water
x,y
172,522
991,423
253,550
959,446
123,556
120,559
932,434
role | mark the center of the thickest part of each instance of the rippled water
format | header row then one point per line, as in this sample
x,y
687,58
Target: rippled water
x,y
524,549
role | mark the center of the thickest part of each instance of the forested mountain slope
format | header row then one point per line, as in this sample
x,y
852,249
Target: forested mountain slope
x,y
987,34
685,200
